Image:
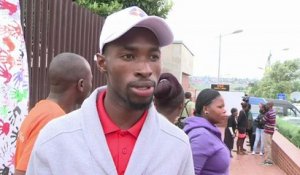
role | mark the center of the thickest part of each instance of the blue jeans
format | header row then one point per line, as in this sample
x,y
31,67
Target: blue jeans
x,y
259,136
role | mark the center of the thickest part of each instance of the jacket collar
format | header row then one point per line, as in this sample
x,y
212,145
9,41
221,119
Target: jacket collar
x,y
96,142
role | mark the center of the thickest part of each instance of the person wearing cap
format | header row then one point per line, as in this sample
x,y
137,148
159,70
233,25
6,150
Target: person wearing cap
x,y
117,130
210,154
169,96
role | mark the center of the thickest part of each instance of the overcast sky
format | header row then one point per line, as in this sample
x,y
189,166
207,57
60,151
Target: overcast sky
x,y
268,26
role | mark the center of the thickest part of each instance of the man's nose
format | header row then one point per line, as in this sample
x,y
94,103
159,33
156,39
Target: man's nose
x,y
144,69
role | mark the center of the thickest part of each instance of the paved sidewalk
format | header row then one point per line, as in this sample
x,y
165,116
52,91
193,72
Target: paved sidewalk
x,y
250,164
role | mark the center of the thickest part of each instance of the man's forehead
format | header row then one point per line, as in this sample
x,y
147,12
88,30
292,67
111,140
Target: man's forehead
x,y
135,37
134,47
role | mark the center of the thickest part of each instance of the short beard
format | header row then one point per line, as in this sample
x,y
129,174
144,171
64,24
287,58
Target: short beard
x,y
134,105
139,106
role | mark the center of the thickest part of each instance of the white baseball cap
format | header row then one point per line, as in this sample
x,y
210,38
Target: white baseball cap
x,y
117,24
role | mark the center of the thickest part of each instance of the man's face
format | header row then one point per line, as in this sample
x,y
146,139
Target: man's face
x,y
235,114
132,64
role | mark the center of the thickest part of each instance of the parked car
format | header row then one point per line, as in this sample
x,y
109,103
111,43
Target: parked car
x,y
285,108
297,105
282,107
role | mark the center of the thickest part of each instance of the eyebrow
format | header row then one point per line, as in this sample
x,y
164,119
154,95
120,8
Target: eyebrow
x,y
133,48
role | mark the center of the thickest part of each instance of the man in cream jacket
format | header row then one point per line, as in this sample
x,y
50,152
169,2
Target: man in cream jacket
x,y
117,130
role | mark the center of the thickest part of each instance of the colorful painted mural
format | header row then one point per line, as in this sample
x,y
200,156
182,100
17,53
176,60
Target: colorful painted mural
x,y
14,84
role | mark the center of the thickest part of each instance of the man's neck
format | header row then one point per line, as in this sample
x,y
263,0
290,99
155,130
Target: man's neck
x,y
67,105
123,117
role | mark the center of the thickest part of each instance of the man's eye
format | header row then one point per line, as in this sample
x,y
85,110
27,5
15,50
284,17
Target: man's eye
x,y
154,57
128,57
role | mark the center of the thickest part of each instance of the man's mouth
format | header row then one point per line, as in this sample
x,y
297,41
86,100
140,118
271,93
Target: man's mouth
x,y
143,91
143,88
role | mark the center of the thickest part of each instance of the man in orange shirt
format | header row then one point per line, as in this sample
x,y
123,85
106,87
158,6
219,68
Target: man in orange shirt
x,y
70,79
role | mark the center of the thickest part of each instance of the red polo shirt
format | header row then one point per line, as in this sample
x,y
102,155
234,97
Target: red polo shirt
x,y
120,142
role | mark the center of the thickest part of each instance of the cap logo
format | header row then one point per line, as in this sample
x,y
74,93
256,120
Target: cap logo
x,y
137,12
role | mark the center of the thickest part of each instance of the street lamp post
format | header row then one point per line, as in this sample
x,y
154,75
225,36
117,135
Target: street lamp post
x,y
268,63
220,44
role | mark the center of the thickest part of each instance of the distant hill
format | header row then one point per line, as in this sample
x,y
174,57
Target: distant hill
x,y
236,84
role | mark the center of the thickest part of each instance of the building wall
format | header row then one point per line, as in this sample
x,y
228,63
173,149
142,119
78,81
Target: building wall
x,y
171,60
187,60
185,82
178,60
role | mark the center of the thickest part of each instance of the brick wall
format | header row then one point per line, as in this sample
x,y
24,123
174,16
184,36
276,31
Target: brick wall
x,y
285,154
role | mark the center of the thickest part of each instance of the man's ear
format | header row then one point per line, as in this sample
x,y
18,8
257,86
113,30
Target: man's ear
x,y
80,85
101,62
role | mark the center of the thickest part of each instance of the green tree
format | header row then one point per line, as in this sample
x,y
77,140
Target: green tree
x,y
280,78
107,7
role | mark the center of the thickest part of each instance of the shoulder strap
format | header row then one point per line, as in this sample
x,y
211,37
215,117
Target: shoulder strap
x,y
184,108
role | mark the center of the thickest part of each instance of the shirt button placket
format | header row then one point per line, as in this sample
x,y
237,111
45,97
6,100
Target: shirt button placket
x,y
124,151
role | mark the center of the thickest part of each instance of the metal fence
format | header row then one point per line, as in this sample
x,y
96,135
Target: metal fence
x,y
55,26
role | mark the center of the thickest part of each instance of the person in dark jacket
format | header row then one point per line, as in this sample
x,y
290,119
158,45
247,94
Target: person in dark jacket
x,y
210,154
242,126
250,129
230,129
259,132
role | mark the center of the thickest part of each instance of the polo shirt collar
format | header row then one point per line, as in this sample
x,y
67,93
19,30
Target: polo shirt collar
x,y
109,126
